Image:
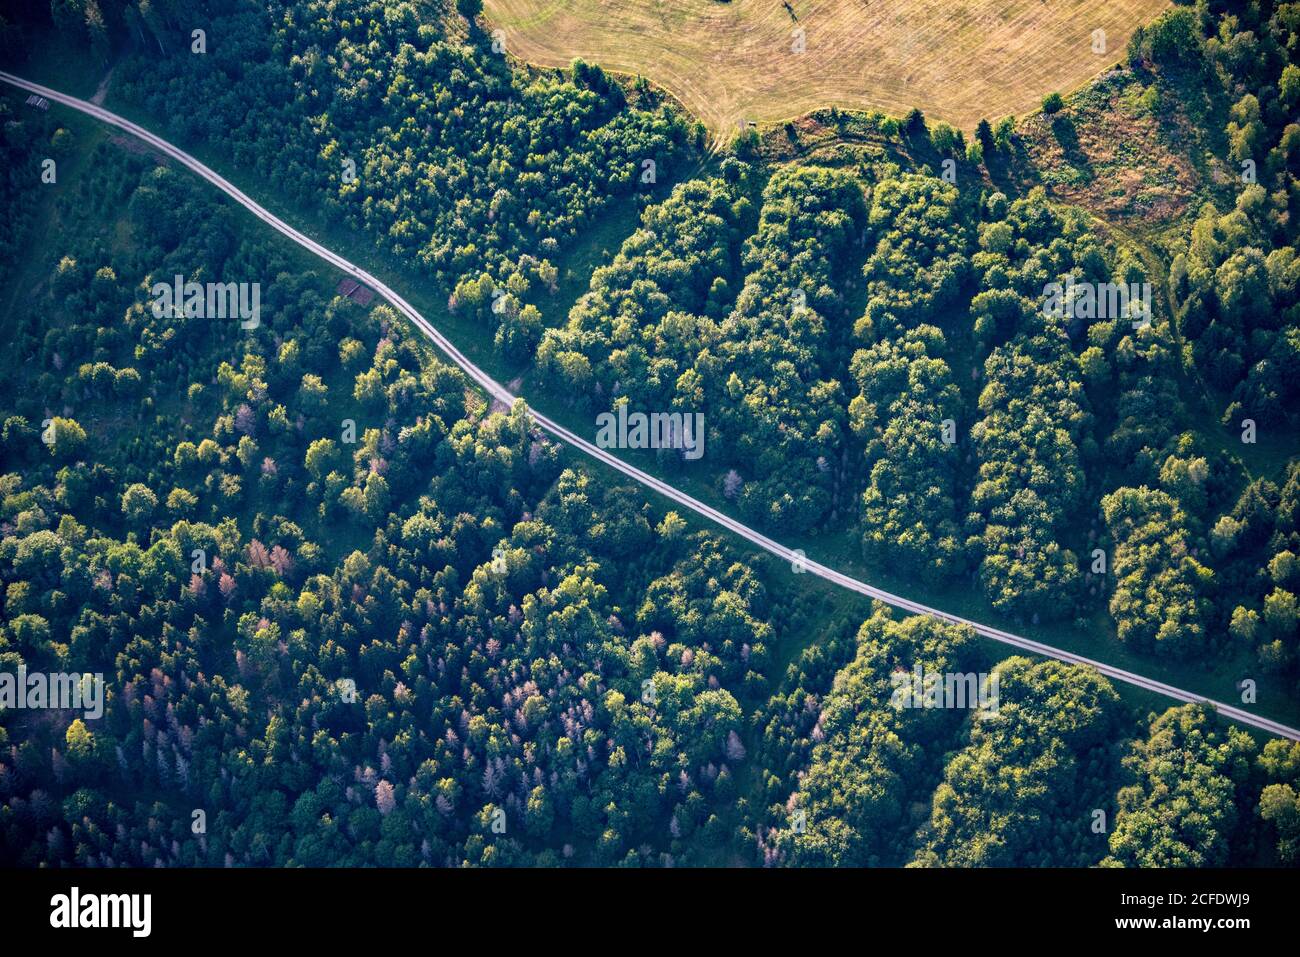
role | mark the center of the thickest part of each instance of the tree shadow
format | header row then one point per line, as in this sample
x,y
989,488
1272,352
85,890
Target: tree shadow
x,y
1067,137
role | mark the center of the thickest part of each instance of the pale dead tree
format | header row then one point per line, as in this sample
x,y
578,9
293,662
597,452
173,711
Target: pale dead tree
x,y
258,556
384,799
490,783
281,561
731,484
182,770
245,419
735,750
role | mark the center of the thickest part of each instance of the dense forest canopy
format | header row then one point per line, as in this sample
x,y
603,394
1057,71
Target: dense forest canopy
x,y
353,613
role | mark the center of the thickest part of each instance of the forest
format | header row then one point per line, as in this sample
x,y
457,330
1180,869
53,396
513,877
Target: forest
x,y
349,611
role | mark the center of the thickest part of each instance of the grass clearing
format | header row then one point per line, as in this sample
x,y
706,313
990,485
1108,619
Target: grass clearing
x,y
1117,150
958,60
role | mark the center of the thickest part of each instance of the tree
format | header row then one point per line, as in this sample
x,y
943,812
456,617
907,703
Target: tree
x,y
1279,805
99,41
1183,805
384,799
154,21
80,742
69,438
1173,39
735,749
1022,791
321,455
138,503
1159,602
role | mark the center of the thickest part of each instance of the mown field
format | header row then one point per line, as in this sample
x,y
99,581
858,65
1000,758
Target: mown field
x,y
957,60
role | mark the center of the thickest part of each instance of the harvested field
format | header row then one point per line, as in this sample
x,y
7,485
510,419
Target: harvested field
x,y
958,60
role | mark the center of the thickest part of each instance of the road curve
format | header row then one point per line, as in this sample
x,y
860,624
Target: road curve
x,y
499,392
